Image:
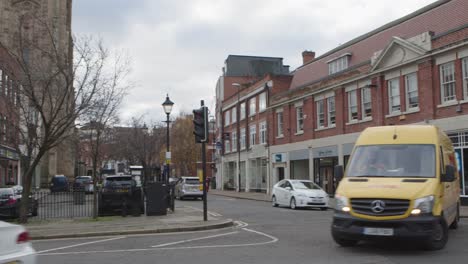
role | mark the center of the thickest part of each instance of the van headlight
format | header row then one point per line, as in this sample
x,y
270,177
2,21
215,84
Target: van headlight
x,y
423,205
342,203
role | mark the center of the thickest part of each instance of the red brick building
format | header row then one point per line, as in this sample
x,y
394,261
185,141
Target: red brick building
x,y
9,117
412,70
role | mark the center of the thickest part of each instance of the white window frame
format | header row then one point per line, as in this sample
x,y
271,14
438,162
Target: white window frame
x,y
1,81
338,65
279,124
227,116
320,106
5,85
409,89
234,141
227,146
394,85
331,111
299,119
262,102
465,77
366,103
242,138
447,81
252,135
233,115
352,106
252,106
263,134
242,111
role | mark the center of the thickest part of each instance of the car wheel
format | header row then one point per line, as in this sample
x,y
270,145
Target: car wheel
x,y
292,203
273,201
454,224
324,208
439,237
344,242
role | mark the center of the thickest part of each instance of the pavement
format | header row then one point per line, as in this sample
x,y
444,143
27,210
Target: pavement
x,y
183,219
256,196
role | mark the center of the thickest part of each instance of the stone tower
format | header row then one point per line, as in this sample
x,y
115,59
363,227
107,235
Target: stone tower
x,y
55,23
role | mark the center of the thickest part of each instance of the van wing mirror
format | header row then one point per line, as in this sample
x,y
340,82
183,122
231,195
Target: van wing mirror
x,y
449,175
338,173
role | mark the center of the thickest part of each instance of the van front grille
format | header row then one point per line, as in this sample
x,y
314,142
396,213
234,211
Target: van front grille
x,y
379,207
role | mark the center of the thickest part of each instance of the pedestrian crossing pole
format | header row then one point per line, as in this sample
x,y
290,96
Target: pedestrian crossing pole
x,y
205,118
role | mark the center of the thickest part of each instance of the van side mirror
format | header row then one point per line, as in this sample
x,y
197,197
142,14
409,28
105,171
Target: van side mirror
x,y
338,173
449,175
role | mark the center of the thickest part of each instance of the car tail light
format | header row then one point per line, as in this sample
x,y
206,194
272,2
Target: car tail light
x,y
11,200
23,238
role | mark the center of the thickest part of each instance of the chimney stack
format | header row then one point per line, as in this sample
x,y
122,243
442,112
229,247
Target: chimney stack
x,y
307,56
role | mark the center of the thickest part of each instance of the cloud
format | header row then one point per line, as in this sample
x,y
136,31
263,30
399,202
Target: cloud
x,y
179,47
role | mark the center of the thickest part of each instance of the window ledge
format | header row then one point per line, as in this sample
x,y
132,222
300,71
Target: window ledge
x,y
280,136
355,121
325,128
393,114
412,110
463,101
446,104
360,121
299,133
261,111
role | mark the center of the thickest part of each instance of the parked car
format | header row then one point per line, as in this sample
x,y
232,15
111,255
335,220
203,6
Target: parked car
x,y
10,200
120,193
85,182
188,187
16,247
59,183
299,193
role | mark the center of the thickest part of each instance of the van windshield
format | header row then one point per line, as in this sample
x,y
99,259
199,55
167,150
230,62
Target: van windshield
x,y
393,161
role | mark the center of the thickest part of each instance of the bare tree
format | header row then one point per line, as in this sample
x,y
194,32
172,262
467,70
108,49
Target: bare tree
x,y
55,90
111,86
185,152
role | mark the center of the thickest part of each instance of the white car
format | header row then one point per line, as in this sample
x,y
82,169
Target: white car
x,y
14,244
299,193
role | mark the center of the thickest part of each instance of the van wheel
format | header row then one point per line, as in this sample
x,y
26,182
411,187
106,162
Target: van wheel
x,y
274,202
439,237
454,224
292,204
344,242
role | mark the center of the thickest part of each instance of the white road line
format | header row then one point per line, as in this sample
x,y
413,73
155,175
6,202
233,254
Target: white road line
x,y
272,240
194,239
241,224
81,244
214,214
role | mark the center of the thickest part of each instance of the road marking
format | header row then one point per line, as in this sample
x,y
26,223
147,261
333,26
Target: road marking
x,y
241,224
80,244
214,214
272,240
194,239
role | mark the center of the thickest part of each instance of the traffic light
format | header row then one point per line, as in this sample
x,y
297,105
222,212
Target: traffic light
x,y
200,123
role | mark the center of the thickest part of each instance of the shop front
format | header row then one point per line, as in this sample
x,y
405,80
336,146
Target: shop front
x,y
325,160
9,166
299,163
460,144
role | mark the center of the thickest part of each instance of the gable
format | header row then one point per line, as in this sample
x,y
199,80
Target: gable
x,y
398,52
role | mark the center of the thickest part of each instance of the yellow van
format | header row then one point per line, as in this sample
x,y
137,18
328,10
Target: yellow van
x,y
400,183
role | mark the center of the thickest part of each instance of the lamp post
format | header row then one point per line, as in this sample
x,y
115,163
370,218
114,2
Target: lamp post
x,y
144,129
238,137
167,105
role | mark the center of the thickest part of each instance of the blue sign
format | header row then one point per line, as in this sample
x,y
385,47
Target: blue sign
x,y
219,145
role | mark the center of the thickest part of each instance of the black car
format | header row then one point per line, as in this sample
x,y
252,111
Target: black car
x,y
10,200
59,183
120,193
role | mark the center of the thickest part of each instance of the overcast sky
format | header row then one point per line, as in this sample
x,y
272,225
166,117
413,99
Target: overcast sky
x,y
179,46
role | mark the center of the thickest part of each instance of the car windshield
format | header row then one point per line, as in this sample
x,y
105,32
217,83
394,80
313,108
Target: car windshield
x,y
118,181
6,192
393,161
192,181
83,180
60,179
304,185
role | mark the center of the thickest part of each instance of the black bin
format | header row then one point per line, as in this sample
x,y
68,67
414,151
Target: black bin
x,y
156,198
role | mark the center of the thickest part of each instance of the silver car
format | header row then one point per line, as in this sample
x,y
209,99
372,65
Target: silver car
x,y
188,187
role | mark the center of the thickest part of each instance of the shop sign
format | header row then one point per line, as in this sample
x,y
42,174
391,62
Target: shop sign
x,y
279,157
8,154
325,152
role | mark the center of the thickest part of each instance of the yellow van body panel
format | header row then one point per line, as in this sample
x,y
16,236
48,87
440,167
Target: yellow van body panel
x,y
410,134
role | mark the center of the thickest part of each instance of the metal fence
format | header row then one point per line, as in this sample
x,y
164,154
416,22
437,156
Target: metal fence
x,y
69,204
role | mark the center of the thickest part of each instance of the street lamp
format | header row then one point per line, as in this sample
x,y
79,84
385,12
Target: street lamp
x,y
167,105
238,137
144,129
